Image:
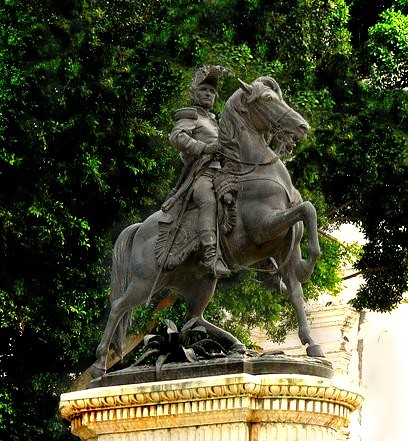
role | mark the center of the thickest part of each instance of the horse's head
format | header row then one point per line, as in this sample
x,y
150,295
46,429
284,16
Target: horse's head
x,y
267,112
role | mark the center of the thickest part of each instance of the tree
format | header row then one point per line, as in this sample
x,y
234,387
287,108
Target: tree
x,y
88,90
77,157
372,192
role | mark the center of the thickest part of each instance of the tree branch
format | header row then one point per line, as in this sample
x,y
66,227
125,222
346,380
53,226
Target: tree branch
x,y
345,219
329,236
375,269
337,209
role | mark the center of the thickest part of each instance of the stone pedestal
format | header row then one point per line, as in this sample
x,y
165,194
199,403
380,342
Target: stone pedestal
x,y
233,407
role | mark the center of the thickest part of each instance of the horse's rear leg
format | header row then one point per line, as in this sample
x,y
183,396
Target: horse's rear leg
x,y
295,293
135,294
197,296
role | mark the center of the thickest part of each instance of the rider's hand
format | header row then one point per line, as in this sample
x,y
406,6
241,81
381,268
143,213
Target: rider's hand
x,y
210,148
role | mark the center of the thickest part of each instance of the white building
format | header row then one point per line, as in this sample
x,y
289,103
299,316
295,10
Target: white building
x,y
369,350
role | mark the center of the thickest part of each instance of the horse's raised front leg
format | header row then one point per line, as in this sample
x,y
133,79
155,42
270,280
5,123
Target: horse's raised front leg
x,y
305,267
295,293
197,296
278,222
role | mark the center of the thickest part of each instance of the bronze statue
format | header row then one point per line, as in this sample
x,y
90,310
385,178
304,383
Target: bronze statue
x,y
195,134
269,222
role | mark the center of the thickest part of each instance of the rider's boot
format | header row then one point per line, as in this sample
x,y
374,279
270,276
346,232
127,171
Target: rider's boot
x,y
210,260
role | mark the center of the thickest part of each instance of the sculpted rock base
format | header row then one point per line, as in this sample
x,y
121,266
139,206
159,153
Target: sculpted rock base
x,y
239,364
234,407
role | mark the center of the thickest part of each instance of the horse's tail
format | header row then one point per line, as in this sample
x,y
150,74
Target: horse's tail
x,y
120,280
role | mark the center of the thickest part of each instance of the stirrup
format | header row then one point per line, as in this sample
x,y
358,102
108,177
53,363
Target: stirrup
x,y
217,268
220,269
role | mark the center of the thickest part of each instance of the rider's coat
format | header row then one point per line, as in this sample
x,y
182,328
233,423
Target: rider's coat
x,y
195,128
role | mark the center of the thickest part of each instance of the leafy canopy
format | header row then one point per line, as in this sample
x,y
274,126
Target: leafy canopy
x,y
88,89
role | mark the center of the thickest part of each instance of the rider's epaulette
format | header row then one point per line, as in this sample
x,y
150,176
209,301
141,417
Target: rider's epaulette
x,y
186,113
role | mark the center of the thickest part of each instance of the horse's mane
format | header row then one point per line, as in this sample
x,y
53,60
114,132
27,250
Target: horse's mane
x,y
270,82
234,117
231,125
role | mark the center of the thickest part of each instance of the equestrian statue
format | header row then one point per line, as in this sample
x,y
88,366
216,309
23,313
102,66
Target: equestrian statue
x,y
234,207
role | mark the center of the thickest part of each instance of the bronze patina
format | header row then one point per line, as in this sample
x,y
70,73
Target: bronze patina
x,y
195,134
267,223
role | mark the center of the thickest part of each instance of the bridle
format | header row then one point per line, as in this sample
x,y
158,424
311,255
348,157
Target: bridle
x,y
254,165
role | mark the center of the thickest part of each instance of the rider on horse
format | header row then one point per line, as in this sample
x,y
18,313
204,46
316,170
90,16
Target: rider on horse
x,y
270,214
195,134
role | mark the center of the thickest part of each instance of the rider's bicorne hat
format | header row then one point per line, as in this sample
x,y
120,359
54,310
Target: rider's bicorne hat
x,y
207,74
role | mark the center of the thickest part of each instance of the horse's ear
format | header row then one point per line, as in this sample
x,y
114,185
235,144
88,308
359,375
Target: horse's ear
x,y
247,88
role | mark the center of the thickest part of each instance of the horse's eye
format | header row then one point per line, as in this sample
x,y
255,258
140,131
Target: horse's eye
x,y
268,97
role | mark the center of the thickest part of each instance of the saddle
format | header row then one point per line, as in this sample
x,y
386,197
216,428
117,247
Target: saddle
x,y
178,234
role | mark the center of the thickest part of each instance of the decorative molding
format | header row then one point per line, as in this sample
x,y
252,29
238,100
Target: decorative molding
x,y
244,398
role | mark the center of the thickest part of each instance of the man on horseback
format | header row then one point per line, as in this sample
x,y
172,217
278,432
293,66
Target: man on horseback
x,y
195,134
269,218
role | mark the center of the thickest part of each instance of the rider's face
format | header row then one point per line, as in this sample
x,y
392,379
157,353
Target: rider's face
x,y
204,96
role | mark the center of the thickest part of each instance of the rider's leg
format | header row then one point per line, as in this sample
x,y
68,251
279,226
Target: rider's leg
x,y
204,198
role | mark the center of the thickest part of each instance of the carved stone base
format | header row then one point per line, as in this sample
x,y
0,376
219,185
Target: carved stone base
x,y
234,407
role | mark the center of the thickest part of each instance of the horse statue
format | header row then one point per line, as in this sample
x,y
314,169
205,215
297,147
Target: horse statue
x,y
270,220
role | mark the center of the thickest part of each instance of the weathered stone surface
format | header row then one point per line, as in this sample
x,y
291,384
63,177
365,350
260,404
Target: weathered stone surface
x,y
264,364
266,221
233,407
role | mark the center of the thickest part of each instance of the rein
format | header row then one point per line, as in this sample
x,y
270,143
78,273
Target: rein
x,y
284,114
275,124
256,164
253,165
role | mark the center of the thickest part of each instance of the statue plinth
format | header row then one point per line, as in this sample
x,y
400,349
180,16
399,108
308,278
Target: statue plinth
x,y
266,363
232,407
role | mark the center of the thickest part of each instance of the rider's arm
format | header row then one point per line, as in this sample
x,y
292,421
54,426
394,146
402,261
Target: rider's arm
x,y
181,137
193,135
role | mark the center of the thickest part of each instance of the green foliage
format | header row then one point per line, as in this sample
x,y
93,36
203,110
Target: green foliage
x,y
388,49
88,89
78,155
243,304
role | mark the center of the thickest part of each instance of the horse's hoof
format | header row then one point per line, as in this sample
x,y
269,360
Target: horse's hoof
x,y
237,348
314,351
304,270
96,371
